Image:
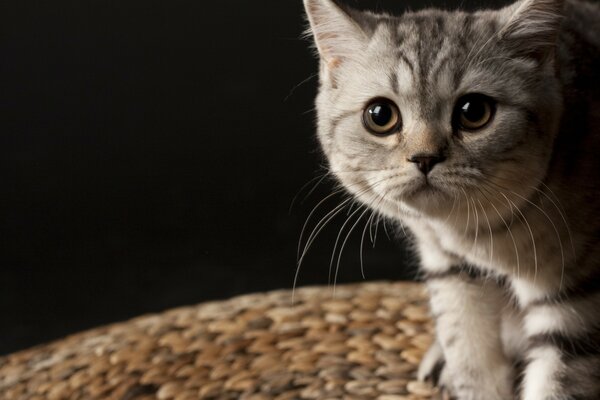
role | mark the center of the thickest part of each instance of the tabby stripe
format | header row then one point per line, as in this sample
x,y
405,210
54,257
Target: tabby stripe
x,y
570,347
394,83
465,272
406,60
337,120
440,65
458,270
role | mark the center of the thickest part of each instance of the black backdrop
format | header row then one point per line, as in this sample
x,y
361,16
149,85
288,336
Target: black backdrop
x,y
150,154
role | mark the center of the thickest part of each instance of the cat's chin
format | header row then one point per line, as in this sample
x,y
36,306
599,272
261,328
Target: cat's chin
x,y
427,198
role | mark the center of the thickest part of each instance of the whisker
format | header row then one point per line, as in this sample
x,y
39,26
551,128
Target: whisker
x,y
386,230
451,210
360,206
562,254
337,240
340,190
379,217
316,231
371,226
491,232
321,225
320,179
362,244
562,215
401,224
310,110
549,219
360,171
476,225
298,85
339,260
535,258
309,218
510,233
510,205
362,239
468,213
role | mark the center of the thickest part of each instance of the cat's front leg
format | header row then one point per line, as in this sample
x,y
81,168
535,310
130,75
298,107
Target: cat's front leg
x,y
468,315
563,337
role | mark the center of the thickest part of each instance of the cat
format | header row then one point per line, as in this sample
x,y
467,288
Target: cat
x,y
479,132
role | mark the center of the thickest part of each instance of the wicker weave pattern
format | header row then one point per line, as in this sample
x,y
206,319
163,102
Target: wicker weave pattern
x,y
363,344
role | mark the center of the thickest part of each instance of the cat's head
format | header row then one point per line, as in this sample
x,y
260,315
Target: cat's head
x,y
419,111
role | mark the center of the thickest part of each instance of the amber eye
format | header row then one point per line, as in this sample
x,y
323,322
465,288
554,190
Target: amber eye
x,y
473,112
382,117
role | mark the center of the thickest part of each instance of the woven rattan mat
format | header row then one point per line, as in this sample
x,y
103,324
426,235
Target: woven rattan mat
x,y
364,343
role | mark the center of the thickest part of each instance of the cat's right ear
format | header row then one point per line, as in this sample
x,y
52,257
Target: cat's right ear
x,y
531,27
337,36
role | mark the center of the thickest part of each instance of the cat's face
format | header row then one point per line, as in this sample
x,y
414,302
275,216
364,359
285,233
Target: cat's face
x,y
422,112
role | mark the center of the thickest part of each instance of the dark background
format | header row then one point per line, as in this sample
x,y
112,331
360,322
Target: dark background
x,y
150,154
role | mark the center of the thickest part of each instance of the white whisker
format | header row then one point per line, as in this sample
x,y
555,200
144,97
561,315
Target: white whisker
x,y
491,232
362,243
337,240
476,225
339,260
535,258
468,213
562,215
511,236
562,254
310,216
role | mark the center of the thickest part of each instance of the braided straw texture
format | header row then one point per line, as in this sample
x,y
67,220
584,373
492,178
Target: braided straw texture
x,y
364,343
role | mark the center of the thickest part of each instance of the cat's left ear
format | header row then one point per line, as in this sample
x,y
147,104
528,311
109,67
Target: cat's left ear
x,y
337,35
531,27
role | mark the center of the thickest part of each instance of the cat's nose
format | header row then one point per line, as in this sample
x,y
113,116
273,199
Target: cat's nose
x,y
426,162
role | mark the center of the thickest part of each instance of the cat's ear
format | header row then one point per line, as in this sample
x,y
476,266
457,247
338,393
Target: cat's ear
x,y
531,27
337,35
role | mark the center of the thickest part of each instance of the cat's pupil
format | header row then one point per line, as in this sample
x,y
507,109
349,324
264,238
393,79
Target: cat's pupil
x,y
474,110
381,117
381,114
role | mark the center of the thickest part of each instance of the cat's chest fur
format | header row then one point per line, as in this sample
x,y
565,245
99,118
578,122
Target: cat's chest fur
x,y
517,245
442,239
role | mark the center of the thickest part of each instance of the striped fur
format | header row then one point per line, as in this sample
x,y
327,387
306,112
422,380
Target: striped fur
x,y
508,225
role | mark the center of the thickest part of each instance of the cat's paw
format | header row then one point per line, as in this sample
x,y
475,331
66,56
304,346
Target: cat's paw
x,y
433,370
432,366
445,394
458,386
498,385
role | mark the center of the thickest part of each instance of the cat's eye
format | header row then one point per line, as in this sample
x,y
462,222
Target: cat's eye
x,y
382,117
473,112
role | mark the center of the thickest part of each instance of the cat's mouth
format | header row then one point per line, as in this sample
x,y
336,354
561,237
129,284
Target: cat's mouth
x,y
422,186
426,190
421,189
418,193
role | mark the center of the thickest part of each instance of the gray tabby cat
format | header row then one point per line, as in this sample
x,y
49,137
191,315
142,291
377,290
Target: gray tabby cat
x,y
480,133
